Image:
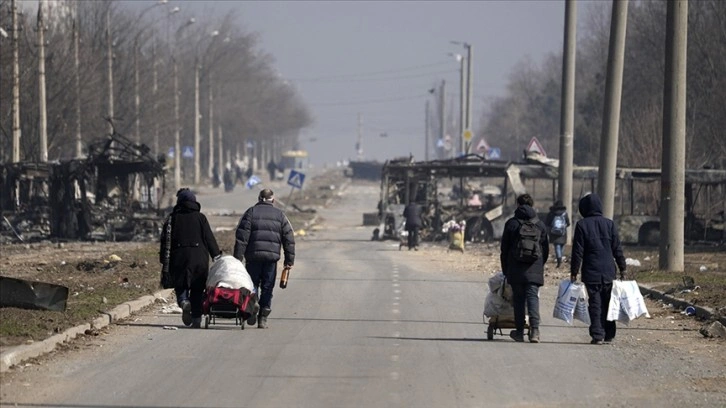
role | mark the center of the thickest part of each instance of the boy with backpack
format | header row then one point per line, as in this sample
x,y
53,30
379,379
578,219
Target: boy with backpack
x,y
524,251
558,221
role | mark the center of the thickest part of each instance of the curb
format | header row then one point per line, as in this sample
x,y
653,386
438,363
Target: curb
x,y
702,312
17,354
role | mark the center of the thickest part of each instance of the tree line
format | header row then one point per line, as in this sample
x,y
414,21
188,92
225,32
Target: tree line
x,y
242,98
531,105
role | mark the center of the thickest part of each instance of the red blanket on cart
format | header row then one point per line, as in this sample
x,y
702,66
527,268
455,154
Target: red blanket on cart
x,y
242,299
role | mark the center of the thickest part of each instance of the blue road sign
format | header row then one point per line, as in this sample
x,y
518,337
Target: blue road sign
x,y
188,152
494,153
170,154
296,179
252,181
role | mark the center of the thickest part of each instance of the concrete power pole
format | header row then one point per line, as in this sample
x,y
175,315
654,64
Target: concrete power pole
x,y
442,112
196,123
462,103
177,136
42,112
137,96
359,140
672,184
16,85
611,113
109,63
211,130
469,91
220,148
428,134
77,64
154,90
567,111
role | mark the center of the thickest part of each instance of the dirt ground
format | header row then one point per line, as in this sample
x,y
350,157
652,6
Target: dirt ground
x,y
97,283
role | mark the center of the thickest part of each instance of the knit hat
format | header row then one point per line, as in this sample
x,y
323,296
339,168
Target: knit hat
x,y
185,194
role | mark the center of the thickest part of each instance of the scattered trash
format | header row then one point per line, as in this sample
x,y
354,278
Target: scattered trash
x,y
114,258
671,318
632,262
690,311
715,329
171,309
300,233
63,263
647,258
703,268
171,328
105,300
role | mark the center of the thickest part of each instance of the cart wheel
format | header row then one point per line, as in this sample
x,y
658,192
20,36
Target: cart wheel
x,y
206,321
490,332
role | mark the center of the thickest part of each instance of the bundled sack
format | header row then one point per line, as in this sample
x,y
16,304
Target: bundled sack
x,y
229,272
571,302
498,302
626,302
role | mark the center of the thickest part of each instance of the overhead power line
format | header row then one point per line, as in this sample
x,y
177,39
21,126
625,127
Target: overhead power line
x,y
368,74
367,102
383,79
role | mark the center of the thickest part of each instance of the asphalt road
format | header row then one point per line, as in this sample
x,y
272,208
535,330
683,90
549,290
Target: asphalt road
x,y
361,325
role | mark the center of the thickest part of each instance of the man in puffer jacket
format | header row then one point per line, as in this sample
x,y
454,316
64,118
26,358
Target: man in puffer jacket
x,y
260,234
596,250
526,277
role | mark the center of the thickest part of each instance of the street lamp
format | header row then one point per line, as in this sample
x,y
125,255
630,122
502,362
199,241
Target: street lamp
x,y
462,102
469,87
177,125
197,114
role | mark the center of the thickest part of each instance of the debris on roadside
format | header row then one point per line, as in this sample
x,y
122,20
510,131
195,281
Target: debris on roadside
x,y
715,329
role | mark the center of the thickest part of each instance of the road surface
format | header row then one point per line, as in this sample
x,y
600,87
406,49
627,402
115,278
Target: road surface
x,y
363,324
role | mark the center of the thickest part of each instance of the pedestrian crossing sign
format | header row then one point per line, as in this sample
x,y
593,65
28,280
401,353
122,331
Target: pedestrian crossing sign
x,y
296,179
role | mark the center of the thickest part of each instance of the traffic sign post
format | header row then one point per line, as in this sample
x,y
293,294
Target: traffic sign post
x,y
295,180
188,152
536,147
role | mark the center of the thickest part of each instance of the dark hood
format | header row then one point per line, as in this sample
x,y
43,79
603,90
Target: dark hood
x,y
590,205
558,208
188,206
525,212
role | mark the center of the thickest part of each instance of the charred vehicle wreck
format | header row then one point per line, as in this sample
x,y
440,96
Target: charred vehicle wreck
x,y
113,194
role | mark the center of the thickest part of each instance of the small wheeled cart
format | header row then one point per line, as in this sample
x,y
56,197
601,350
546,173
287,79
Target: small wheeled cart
x,y
497,323
227,303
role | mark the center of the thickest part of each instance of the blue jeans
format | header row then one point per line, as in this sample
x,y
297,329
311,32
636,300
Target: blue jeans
x,y
194,294
263,276
558,250
525,294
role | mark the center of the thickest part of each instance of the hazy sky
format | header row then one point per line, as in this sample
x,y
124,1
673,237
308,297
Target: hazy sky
x,y
380,59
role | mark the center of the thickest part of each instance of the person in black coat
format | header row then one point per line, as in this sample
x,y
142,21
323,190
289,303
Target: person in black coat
x,y
558,233
412,214
262,231
187,242
596,251
526,277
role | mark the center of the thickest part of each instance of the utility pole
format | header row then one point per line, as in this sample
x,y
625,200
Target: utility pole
x,y
672,184
462,102
16,84
469,91
211,132
358,146
77,63
611,114
154,90
220,149
42,112
177,136
137,97
109,63
442,112
196,121
567,111
428,141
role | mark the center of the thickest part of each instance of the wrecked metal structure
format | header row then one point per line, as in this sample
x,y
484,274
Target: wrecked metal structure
x,y
482,192
113,194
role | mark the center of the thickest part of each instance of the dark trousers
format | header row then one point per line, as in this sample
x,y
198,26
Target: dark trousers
x,y
194,294
525,295
263,276
599,300
412,238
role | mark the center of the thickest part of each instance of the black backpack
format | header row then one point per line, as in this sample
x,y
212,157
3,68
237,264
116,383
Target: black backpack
x,y
528,248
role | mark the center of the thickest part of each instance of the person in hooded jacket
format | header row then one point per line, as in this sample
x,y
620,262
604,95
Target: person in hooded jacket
x,y
558,238
187,242
412,214
262,231
596,251
525,277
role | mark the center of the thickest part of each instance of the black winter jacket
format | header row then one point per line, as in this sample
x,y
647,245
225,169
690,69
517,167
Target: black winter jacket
x,y
260,234
192,244
515,271
548,222
412,213
595,244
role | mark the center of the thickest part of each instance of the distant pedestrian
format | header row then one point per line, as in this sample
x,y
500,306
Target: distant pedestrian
x,y
524,251
557,222
272,169
412,214
187,243
262,231
596,250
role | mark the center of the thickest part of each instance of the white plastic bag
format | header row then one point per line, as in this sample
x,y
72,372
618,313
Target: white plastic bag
x,y
626,302
229,272
568,296
495,305
581,312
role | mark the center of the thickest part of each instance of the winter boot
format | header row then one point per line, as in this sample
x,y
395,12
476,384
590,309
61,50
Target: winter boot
x,y
196,322
517,336
534,335
559,262
253,317
262,318
186,307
